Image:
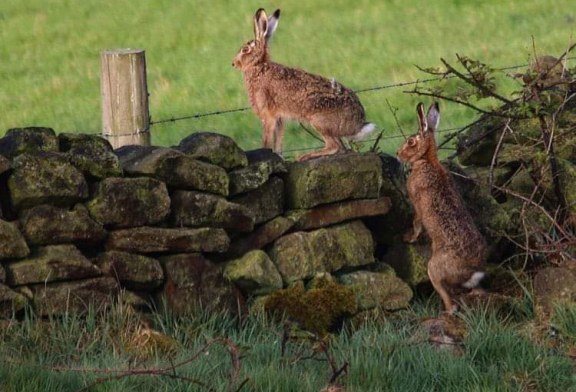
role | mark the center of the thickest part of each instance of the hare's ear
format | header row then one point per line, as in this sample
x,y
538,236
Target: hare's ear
x,y
272,25
260,24
422,123
433,116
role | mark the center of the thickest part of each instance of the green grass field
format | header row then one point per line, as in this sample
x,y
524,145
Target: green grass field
x,y
50,55
502,352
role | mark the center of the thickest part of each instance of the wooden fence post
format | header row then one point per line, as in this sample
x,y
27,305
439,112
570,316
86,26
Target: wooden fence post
x,y
125,114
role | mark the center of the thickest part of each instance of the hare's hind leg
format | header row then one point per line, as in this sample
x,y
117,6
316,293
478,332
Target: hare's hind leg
x,y
278,136
435,267
273,132
331,146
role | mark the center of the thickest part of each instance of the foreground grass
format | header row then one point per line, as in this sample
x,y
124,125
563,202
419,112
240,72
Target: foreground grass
x,y
388,355
49,67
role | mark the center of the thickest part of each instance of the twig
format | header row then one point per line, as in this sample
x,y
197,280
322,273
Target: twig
x,y
496,152
169,371
472,81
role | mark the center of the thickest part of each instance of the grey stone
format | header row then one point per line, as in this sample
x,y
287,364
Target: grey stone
x,y
194,209
266,202
262,164
329,214
91,154
17,141
133,271
175,168
78,297
214,148
193,283
46,225
261,236
50,264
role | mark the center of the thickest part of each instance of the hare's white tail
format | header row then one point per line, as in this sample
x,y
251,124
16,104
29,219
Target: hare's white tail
x,y
366,130
474,281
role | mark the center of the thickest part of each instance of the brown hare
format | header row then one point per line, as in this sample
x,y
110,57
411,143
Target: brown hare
x,y
278,93
458,248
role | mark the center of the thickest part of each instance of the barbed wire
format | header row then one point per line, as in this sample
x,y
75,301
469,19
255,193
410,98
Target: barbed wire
x,y
359,91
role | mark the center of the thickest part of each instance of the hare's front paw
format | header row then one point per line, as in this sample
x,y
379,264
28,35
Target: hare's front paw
x,y
410,236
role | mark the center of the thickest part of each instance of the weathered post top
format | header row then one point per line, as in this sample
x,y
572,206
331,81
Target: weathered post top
x,y
125,114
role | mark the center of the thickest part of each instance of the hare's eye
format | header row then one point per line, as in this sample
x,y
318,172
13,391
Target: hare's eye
x,y
411,142
246,49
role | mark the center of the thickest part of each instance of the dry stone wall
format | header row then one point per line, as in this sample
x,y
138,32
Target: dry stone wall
x,y
202,224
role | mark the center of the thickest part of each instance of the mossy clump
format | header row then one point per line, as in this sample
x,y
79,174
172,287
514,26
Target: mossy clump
x,y
318,310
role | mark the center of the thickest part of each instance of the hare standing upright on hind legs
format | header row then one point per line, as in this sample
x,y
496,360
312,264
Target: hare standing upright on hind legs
x,y
278,93
458,248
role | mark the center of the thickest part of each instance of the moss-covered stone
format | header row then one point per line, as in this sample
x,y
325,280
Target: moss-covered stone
x,y
193,283
45,178
410,261
135,272
173,167
266,202
378,289
17,141
318,310
50,264
194,209
11,302
214,148
91,154
48,225
301,255
12,243
333,178
62,298
162,240
130,202
254,273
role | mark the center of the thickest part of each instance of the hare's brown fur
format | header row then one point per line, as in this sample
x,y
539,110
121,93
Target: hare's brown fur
x,y
458,248
279,93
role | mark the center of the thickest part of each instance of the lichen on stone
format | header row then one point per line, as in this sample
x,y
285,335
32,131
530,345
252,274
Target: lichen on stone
x,y
318,310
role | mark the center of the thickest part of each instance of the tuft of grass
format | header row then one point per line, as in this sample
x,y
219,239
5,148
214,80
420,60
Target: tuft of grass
x,y
50,66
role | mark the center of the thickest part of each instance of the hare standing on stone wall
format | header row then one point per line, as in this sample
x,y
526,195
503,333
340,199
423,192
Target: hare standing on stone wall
x,y
278,93
458,248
